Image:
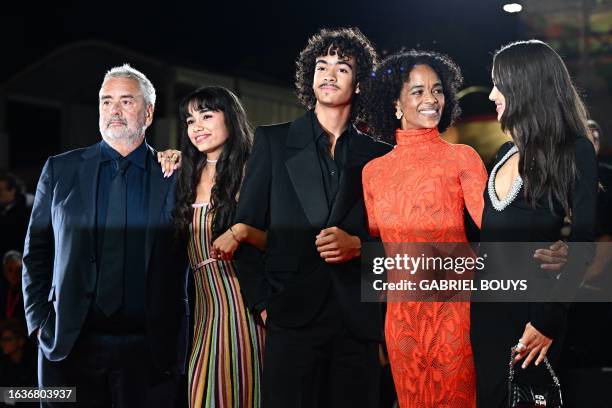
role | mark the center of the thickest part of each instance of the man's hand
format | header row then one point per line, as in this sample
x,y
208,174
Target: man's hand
x,y
336,246
553,258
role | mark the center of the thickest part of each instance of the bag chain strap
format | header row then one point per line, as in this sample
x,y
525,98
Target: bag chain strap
x,y
548,366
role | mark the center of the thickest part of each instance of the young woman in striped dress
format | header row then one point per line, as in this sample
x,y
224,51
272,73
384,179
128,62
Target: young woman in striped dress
x,y
225,363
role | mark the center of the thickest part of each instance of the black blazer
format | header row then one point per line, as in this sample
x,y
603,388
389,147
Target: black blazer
x,y
59,265
283,193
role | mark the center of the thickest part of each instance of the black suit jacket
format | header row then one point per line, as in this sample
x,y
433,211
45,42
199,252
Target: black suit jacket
x,y
59,265
283,193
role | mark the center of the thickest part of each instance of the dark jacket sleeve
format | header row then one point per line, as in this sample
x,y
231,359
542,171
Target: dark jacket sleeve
x,y
549,318
253,206
38,253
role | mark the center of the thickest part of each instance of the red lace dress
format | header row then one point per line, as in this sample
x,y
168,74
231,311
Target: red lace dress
x,y
418,193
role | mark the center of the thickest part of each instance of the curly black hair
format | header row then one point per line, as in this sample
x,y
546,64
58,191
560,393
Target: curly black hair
x,y
344,42
229,168
384,86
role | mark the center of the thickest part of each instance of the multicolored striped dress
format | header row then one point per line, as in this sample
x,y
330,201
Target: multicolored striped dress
x,y
225,364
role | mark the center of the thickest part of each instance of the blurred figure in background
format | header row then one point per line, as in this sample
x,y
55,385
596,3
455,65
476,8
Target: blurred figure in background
x,y
594,318
604,197
11,299
17,362
14,213
603,227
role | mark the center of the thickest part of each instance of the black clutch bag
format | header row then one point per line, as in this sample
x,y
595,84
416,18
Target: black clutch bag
x,y
533,396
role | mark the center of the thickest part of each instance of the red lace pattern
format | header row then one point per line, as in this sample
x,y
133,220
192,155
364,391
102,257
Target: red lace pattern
x,y
418,193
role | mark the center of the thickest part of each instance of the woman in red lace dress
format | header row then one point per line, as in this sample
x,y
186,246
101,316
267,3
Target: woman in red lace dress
x,y
418,193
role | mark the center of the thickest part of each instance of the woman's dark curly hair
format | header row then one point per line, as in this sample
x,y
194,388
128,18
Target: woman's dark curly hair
x,y
384,86
230,165
344,42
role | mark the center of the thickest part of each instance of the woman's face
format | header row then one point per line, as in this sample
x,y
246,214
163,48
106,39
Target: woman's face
x,y
500,101
421,99
207,131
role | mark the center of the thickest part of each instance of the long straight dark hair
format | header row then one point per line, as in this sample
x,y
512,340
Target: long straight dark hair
x,y
544,114
230,165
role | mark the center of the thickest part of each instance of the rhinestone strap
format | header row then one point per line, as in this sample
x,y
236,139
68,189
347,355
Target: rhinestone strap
x,y
546,362
498,204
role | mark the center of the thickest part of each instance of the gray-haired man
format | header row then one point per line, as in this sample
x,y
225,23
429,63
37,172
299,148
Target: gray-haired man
x,y
104,284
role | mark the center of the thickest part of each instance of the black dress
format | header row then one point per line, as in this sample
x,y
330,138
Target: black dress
x,y
496,327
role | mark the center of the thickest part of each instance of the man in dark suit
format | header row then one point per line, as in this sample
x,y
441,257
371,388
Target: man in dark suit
x,y
104,281
303,185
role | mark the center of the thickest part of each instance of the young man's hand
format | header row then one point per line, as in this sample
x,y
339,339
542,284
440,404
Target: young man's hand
x,y
336,246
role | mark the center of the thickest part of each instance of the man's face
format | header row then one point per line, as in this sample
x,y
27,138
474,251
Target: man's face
x,y
12,272
334,80
124,116
7,195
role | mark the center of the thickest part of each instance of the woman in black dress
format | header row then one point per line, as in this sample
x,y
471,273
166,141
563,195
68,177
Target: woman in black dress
x,y
548,171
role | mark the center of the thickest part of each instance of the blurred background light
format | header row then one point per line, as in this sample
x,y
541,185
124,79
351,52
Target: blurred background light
x,y
512,8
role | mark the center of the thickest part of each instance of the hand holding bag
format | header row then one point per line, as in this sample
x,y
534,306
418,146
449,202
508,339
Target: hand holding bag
x,y
533,396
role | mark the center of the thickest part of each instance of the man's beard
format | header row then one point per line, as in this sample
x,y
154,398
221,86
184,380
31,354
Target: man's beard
x,y
125,134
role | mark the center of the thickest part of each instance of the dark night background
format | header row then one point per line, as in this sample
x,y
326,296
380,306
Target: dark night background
x,y
47,82
259,40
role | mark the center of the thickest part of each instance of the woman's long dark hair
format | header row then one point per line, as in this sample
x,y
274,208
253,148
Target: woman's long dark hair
x,y
230,166
544,114
384,86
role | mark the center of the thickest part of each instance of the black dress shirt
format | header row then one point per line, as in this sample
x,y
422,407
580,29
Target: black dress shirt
x,y
331,163
131,317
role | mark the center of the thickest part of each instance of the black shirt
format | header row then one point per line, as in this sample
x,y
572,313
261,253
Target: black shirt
x,y
131,317
331,167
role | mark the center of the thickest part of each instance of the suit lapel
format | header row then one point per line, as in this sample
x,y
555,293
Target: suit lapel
x,y
158,191
88,184
305,172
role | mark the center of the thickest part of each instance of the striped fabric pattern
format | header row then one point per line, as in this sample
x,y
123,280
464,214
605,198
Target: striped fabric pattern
x,y
225,363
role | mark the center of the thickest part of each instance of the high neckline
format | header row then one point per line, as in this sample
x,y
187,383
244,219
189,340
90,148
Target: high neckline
x,y
416,136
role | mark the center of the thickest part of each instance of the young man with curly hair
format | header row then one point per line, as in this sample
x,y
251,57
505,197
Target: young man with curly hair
x,y
303,185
